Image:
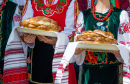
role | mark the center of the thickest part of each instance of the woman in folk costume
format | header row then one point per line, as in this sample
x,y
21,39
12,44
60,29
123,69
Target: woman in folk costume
x,y
101,68
86,4
40,65
9,19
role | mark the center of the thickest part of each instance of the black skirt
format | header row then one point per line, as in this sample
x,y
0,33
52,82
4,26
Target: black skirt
x,y
42,62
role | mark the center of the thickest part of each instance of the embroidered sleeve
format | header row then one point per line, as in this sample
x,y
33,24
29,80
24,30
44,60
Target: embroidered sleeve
x,y
123,28
80,24
16,18
79,29
124,44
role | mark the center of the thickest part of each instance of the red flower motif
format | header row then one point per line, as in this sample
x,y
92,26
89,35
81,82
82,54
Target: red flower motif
x,y
92,58
126,28
1,77
49,11
17,18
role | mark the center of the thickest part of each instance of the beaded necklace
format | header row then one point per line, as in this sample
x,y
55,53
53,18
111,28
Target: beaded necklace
x,y
93,12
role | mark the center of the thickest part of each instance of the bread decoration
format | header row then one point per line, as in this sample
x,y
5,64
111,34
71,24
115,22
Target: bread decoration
x,y
97,36
41,23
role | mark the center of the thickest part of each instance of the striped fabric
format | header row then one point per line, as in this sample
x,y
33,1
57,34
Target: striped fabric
x,y
59,51
64,62
15,67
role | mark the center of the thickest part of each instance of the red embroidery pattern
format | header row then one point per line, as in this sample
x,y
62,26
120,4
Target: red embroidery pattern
x,y
17,18
126,28
15,77
91,57
122,42
49,11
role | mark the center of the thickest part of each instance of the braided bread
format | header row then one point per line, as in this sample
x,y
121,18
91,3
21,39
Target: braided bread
x,y
41,23
97,36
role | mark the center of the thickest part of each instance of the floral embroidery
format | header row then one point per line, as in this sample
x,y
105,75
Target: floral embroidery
x,y
102,25
48,11
122,42
80,28
99,23
95,58
98,58
28,60
17,18
39,4
92,58
58,8
124,28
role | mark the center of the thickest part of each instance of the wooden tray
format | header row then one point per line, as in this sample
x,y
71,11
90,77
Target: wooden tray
x,y
37,32
98,47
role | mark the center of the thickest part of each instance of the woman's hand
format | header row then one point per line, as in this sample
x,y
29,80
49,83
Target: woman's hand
x,y
49,40
29,38
78,50
116,53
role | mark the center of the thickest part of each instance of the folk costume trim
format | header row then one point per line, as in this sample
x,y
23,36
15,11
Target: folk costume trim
x,y
49,9
24,11
1,13
94,58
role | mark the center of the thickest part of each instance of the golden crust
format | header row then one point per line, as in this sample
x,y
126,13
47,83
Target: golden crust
x,y
97,36
41,23
105,34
